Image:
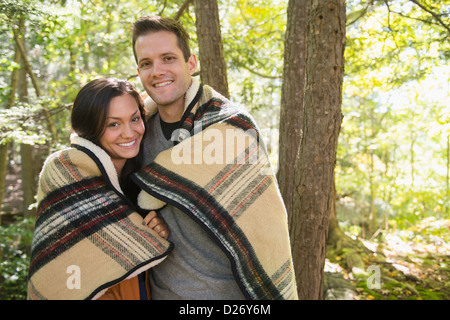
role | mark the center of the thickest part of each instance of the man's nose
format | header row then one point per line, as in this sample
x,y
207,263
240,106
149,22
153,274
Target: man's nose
x,y
158,69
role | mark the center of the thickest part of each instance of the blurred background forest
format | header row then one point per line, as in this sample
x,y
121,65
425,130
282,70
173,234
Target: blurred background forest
x,y
392,175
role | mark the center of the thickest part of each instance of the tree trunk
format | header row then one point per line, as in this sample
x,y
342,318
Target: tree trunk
x,y
213,69
26,154
292,108
448,171
312,188
337,239
5,146
27,67
3,165
411,151
25,149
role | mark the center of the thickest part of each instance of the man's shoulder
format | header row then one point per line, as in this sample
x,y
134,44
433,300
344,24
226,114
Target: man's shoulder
x,y
213,100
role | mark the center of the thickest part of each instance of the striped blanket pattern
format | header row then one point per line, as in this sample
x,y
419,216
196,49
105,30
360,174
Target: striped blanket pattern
x,y
229,188
84,224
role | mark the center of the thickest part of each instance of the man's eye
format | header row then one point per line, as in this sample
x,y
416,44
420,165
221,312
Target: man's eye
x,y
136,119
145,65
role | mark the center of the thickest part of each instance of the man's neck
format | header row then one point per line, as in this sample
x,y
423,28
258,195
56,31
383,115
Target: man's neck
x,y
171,114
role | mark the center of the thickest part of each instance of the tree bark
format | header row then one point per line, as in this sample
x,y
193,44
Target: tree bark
x,y
5,146
27,67
213,69
292,108
336,238
26,154
3,165
314,158
448,170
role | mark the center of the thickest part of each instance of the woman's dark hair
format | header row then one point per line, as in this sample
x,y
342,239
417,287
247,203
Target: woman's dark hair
x,y
90,111
90,108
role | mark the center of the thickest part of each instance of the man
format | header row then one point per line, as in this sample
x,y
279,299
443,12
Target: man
x,y
205,165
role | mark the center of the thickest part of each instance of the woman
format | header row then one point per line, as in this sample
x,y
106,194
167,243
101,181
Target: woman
x,y
90,242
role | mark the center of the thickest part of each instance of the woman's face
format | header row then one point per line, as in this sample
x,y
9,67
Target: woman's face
x,y
124,130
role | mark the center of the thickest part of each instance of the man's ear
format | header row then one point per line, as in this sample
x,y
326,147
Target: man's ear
x,y
192,64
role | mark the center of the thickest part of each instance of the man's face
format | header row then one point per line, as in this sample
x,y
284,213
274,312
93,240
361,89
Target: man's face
x,y
164,73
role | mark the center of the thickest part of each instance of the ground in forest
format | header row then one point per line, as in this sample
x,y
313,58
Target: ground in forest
x,y
405,265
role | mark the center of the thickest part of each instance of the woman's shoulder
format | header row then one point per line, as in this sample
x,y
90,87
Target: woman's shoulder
x,y
70,164
64,168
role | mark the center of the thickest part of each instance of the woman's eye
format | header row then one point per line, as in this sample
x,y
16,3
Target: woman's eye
x,y
113,125
136,119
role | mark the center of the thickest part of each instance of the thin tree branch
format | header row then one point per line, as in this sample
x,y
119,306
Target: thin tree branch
x,y
361,13
183,8
260,74
163,8
433,14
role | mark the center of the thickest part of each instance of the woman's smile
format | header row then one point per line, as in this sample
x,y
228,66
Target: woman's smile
x,y
128,144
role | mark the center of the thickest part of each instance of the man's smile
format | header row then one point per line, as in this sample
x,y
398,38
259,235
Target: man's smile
x,y
163,84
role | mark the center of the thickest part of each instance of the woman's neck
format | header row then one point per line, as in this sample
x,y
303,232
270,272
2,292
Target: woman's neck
x,y
119,164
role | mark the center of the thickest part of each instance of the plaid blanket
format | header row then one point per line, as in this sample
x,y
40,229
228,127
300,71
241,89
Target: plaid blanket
x,y
219,174
87,237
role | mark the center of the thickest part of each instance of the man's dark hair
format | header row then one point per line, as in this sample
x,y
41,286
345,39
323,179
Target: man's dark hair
x,y
150,24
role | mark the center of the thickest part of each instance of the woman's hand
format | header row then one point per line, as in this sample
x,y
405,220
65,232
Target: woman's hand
x,y
156,223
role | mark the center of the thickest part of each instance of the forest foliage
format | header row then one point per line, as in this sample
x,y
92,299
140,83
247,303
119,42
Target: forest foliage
x,y
393,160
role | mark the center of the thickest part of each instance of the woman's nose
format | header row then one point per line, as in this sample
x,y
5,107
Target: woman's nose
x,y
127,131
